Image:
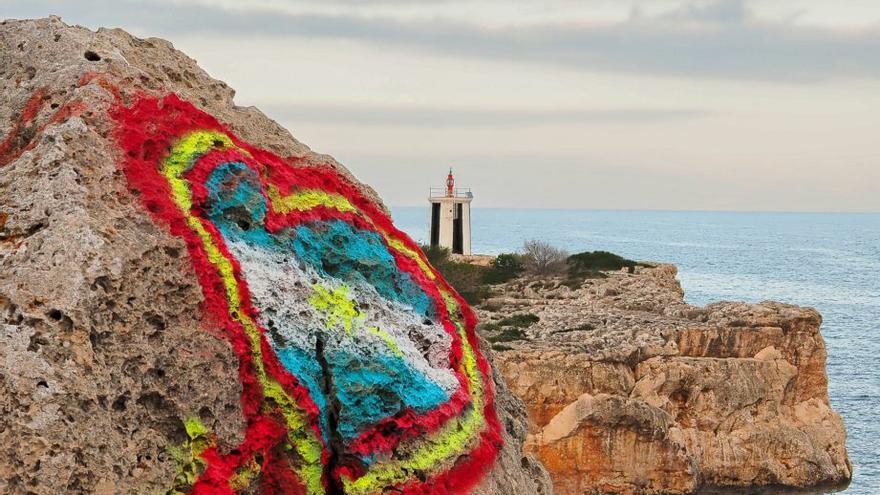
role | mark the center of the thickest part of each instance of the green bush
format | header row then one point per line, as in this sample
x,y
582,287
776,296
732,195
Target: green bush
x,y
542,284
522,320
583,326
436,255
489,327
467,279
586,264
508,329
503,268
508,335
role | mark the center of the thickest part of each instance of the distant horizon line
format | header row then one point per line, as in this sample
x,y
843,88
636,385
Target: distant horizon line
x,y
655,210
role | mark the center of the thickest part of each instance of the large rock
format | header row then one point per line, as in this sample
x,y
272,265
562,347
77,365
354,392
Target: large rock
x,y
630,390
193,301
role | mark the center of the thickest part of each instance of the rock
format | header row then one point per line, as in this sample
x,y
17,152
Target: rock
x,y
192,301
621,445
630,390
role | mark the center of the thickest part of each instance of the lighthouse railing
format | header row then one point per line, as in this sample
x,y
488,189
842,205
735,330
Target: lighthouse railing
x,y
441,192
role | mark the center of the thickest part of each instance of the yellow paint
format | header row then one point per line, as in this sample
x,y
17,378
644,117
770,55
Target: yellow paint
x,y
337,306
187,455
194,428
400,246
307,199
184,154
386,337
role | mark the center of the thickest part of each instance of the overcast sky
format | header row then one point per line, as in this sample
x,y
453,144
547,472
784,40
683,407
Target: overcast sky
x,y
609,104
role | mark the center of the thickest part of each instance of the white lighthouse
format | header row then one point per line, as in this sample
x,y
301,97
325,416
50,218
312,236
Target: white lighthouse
x,y
451,217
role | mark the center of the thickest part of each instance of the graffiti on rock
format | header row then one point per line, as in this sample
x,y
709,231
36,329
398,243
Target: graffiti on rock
x,y
359,365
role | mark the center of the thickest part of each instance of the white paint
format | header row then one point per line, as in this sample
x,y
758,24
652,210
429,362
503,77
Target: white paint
x,y
280,289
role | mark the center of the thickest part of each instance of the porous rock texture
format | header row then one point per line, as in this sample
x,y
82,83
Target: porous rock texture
x,y
630,390
191,301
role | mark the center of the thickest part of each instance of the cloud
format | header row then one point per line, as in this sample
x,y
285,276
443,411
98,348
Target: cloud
x,y
720,39
443,117
720,11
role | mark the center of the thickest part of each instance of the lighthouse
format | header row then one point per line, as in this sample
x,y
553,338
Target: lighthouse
x,y
451,217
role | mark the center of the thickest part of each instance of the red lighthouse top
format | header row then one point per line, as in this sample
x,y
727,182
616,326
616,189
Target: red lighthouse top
x,y
450,184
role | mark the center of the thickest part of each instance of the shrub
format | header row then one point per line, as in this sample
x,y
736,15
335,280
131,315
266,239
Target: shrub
x,y
504,267
489,327
522,320
467,280
508,335
501,347
583,326
587,264
436,255
540,258
540,284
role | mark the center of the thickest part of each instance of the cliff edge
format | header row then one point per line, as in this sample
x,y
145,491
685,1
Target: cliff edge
x,y
630,390
192,301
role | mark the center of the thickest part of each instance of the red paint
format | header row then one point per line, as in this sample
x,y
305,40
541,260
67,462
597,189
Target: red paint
x,y
23,135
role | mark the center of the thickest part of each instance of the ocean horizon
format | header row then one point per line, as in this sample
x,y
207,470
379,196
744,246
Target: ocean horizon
x,y
826,260
658,210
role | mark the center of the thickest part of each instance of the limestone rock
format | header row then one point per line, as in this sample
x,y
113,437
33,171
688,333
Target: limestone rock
x,y
192,301
630,390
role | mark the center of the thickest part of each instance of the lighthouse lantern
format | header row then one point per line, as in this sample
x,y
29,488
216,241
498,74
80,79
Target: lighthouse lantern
x,y
450,185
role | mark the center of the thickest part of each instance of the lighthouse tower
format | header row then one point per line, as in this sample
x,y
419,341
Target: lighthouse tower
x,y
451,217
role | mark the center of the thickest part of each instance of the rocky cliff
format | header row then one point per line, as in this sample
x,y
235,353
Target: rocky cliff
x,y
191,301
630,390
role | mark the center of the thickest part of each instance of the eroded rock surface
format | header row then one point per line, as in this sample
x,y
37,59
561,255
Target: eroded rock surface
x,y
193,301
630,390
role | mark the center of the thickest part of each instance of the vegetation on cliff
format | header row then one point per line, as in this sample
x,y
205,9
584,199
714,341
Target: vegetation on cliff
x,y
538,259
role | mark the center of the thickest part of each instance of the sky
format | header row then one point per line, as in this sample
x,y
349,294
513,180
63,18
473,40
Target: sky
x,y
761,105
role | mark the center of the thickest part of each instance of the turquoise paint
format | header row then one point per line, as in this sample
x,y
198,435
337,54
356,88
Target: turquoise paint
x,y
307,370
368,388
371,388
237,206
337,249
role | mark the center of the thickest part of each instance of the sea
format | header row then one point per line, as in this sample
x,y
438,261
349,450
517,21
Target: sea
x,y
830,261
